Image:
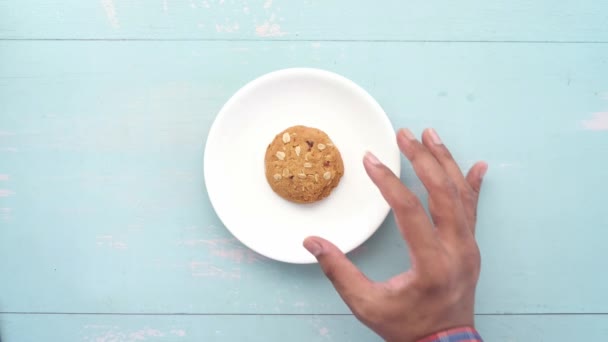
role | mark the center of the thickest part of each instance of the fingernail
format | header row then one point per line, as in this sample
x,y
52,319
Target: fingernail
x,y
372,159
434,137
313,247
408,134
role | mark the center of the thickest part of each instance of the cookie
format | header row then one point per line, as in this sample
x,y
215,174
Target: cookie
x,y
303,165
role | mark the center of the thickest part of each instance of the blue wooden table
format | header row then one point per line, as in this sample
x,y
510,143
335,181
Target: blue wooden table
x,y
106,231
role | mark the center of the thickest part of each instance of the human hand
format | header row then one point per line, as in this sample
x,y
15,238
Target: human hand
x,y
438,292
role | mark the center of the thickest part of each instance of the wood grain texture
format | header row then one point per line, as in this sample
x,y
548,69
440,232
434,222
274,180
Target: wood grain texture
x,y
439,20
103,205
104,111
88,328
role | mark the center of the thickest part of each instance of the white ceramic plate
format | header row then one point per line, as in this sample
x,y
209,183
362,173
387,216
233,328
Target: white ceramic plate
x,y
234,162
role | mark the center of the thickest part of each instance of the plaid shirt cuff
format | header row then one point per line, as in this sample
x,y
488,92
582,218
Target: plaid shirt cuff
x,y
465,334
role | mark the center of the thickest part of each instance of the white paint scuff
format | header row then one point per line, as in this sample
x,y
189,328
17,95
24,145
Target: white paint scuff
x,y
206,269
178,332
509,165
599,122
101,333
110,9
230,249
269,30
268,4
6,193
226,28
5,213
322,329
108,241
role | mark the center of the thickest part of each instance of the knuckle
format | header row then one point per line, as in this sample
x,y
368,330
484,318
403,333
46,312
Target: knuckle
x,y
469,197
444,153
415,154
434,282
450,188
386,172
469,202
471,259
430,285
439,278
407,203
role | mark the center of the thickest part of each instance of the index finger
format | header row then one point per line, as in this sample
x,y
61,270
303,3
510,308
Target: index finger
x,y
414,224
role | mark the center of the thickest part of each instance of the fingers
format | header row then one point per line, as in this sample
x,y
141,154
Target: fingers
x,y
475,176
431,140
412,220
468,194
352,285
474,179
444,196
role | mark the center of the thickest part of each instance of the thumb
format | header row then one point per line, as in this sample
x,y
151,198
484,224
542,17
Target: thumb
x,y
352,285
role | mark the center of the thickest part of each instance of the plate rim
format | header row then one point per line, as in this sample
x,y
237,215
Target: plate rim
x,y
219,117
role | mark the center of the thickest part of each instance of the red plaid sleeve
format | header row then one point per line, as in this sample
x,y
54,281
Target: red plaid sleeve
x,y
464,334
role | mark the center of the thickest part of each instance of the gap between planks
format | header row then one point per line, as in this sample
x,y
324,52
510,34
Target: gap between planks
x,y
305,40
275,314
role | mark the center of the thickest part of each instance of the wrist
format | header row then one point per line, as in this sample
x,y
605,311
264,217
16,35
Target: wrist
x,y
458,334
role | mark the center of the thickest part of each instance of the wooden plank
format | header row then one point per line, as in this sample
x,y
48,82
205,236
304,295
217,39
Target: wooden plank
x,y
87,328
444,20
103,206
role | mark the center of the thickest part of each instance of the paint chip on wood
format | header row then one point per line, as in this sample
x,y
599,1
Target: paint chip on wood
x,y
269,30
599,122
110,9
6,193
